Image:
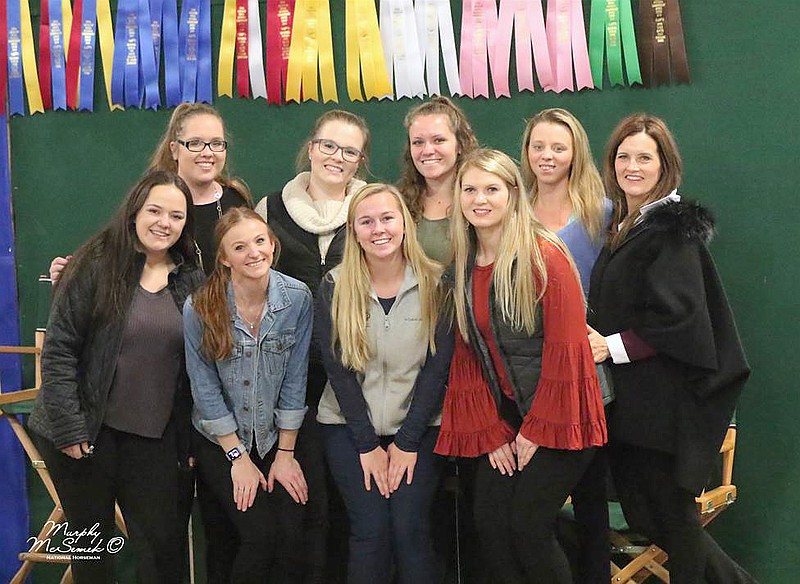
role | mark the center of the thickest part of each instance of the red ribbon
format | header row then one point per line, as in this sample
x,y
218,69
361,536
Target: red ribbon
x,y
44,54
280,14
74,58
242,70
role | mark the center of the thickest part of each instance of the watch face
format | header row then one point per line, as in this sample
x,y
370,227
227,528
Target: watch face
x,y
233,454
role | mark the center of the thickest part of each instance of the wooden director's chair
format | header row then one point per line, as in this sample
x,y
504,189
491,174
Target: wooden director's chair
x,y
21,403
647,559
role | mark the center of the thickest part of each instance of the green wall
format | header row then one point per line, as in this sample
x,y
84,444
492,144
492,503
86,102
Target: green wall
x,y
737,128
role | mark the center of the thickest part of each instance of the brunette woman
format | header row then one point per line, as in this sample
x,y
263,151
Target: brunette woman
x,y
115,399
248,331
439,136
660,315
523,395
386,349
568,198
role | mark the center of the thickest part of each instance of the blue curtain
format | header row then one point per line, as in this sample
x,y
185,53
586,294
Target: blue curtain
x,y
13,491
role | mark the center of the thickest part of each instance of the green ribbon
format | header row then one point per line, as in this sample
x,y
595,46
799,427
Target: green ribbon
x,y
611,31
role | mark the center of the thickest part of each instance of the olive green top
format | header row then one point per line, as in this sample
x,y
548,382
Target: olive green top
x,y
434,237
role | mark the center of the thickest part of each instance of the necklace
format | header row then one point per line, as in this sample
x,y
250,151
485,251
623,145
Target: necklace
x,y
252,324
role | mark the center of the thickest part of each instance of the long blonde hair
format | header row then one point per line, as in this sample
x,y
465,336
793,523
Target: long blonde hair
x,y
520,274
585,187
162,158
351,292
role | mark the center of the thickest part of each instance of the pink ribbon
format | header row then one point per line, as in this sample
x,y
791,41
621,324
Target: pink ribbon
x,y
478,24
566,38
527,18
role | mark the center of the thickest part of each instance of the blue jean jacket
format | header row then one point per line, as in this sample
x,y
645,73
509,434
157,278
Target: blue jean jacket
x,y
261,386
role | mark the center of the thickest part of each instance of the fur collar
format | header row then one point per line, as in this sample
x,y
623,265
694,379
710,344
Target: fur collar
x,y
684,219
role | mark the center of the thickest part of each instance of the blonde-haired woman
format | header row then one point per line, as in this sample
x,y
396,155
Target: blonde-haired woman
x,y
386,350
523,394
247,331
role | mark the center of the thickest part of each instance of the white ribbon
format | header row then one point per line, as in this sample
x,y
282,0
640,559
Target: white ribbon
x,y
401,48
255,48
434,20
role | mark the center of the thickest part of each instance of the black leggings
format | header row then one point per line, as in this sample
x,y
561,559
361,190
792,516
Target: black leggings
x,y
516,516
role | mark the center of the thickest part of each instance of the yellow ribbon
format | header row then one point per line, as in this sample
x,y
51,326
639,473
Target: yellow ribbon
x,y
66,17
312,47
29,60
105,33
227,49
364,48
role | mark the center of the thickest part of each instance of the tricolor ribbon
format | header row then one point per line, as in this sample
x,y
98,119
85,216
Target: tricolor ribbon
x,y
434,19
44,53
105,32
478,24
255,62
527,19
311,50
242,48
662,50
365,60
401,48
611,27
280,14
195,50
32,88
3,57
566,39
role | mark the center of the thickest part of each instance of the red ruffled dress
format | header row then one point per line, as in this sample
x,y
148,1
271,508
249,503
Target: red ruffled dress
x,y
567,408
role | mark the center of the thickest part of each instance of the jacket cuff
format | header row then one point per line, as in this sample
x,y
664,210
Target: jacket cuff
x,y
290,419
220,427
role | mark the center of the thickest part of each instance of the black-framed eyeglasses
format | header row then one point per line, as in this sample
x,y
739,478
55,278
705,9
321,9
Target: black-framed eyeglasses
x,y
330,147
200,145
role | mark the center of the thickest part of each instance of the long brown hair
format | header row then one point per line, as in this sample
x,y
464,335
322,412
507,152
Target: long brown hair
x,y
412,183
301,161
117,252
211,300
668,181
162,158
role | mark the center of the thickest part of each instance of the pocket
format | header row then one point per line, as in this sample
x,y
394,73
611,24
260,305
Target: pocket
x,y
275,350
231,365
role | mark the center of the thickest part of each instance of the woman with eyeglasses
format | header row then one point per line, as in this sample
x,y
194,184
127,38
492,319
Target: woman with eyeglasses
x,y
308,217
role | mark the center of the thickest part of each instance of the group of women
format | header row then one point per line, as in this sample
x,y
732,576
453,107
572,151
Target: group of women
x,y
449,319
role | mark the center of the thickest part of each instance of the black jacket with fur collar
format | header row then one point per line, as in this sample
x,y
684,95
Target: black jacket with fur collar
x,y
661,284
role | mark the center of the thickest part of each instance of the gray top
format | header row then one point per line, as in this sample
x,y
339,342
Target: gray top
x,y
434,237
149,363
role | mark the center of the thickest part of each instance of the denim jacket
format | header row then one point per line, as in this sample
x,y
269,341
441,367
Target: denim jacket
x,y
261,386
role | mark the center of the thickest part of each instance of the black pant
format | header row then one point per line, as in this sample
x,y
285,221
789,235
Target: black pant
x,y
657,506
142,475
254,560
516,516
590,502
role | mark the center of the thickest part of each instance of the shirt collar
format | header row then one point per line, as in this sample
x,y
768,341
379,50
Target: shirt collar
x,y
673,197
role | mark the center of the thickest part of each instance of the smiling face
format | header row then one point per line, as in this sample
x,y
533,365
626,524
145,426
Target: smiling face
x,y
379,227
247,250
484,199
160,221
199,168
433,146
638,167
332,170
550,152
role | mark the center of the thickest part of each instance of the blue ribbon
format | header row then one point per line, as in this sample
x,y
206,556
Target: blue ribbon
x,y
204,92
118,70
130,14
58,65
16,95
147,58
190,20
88,36
169,36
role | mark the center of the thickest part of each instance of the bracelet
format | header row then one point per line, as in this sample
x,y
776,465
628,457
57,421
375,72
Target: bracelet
x,y
285,449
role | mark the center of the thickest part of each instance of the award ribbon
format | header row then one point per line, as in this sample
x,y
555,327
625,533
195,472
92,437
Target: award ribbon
x,y
105,32
148,57
169,37
32,87
662,50
204,53
566,38
57,58
227,47
434,19
280,14
15,93
478,24
527,18
611,27
311,47
258,79
401,48
242,76
86,54
44,52
125,74
189,49
74,55
3,57
365,57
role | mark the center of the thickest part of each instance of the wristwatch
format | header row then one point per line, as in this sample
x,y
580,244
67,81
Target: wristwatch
x,y
236,452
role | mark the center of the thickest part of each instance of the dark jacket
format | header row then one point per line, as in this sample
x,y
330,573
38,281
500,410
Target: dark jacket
x,y
79,360
662,285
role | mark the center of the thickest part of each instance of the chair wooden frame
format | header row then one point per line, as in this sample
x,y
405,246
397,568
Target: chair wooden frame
x,y
648,560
